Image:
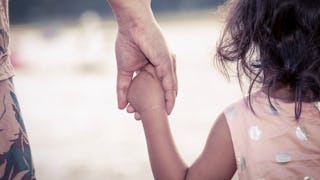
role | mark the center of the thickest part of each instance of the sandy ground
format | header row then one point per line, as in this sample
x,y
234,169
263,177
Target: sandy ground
x,y
66,87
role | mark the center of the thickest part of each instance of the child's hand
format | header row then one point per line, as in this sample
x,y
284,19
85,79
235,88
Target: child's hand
x,y
145,93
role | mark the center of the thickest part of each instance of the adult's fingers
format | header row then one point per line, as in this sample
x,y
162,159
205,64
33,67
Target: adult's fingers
x,y
170,100
150,69
174,65
123,82
166,73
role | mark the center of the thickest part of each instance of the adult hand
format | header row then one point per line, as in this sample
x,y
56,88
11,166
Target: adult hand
x,y
140,41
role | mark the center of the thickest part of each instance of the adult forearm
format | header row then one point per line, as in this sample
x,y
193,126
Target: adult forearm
x,y
131,13
165,160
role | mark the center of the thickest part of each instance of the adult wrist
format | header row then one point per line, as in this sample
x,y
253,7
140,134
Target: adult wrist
x,y
133,14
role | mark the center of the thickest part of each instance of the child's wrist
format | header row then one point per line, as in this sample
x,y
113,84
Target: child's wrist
x,y
152,112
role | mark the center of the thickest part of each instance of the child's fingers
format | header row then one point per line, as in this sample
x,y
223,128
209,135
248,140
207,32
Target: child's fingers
x,y
130,109
137,116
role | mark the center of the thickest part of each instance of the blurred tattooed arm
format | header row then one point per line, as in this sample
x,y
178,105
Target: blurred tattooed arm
x,y
15,152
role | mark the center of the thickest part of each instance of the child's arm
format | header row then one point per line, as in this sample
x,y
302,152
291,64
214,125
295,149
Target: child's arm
x,y
217,160
147,97
165,160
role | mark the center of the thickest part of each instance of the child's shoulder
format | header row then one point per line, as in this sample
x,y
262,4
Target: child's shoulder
x,y
247,106
236,107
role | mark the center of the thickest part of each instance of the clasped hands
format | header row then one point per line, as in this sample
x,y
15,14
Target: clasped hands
x,y
136,48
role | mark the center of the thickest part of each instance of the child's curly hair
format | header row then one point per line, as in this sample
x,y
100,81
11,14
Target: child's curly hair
x,y
275,43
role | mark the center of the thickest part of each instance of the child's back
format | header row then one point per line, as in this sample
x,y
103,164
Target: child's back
x,y
275,44
270,143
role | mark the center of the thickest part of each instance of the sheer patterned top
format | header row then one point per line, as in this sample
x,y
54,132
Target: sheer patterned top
x,y
270,143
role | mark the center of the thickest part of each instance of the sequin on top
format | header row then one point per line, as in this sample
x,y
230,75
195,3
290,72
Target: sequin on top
x,y
6,69
272,145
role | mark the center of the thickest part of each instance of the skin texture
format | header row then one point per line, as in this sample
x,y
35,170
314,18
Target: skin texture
x,y
217,161
139,42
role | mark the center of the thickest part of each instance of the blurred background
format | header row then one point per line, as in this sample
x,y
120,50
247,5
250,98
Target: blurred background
x,y
63,53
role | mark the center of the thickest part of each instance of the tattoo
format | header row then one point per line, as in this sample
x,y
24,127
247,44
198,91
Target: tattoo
x,y
4,106
17,161
11,80
5,41
16,108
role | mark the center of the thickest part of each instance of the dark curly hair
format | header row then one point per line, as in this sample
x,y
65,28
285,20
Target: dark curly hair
x,y
275,44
